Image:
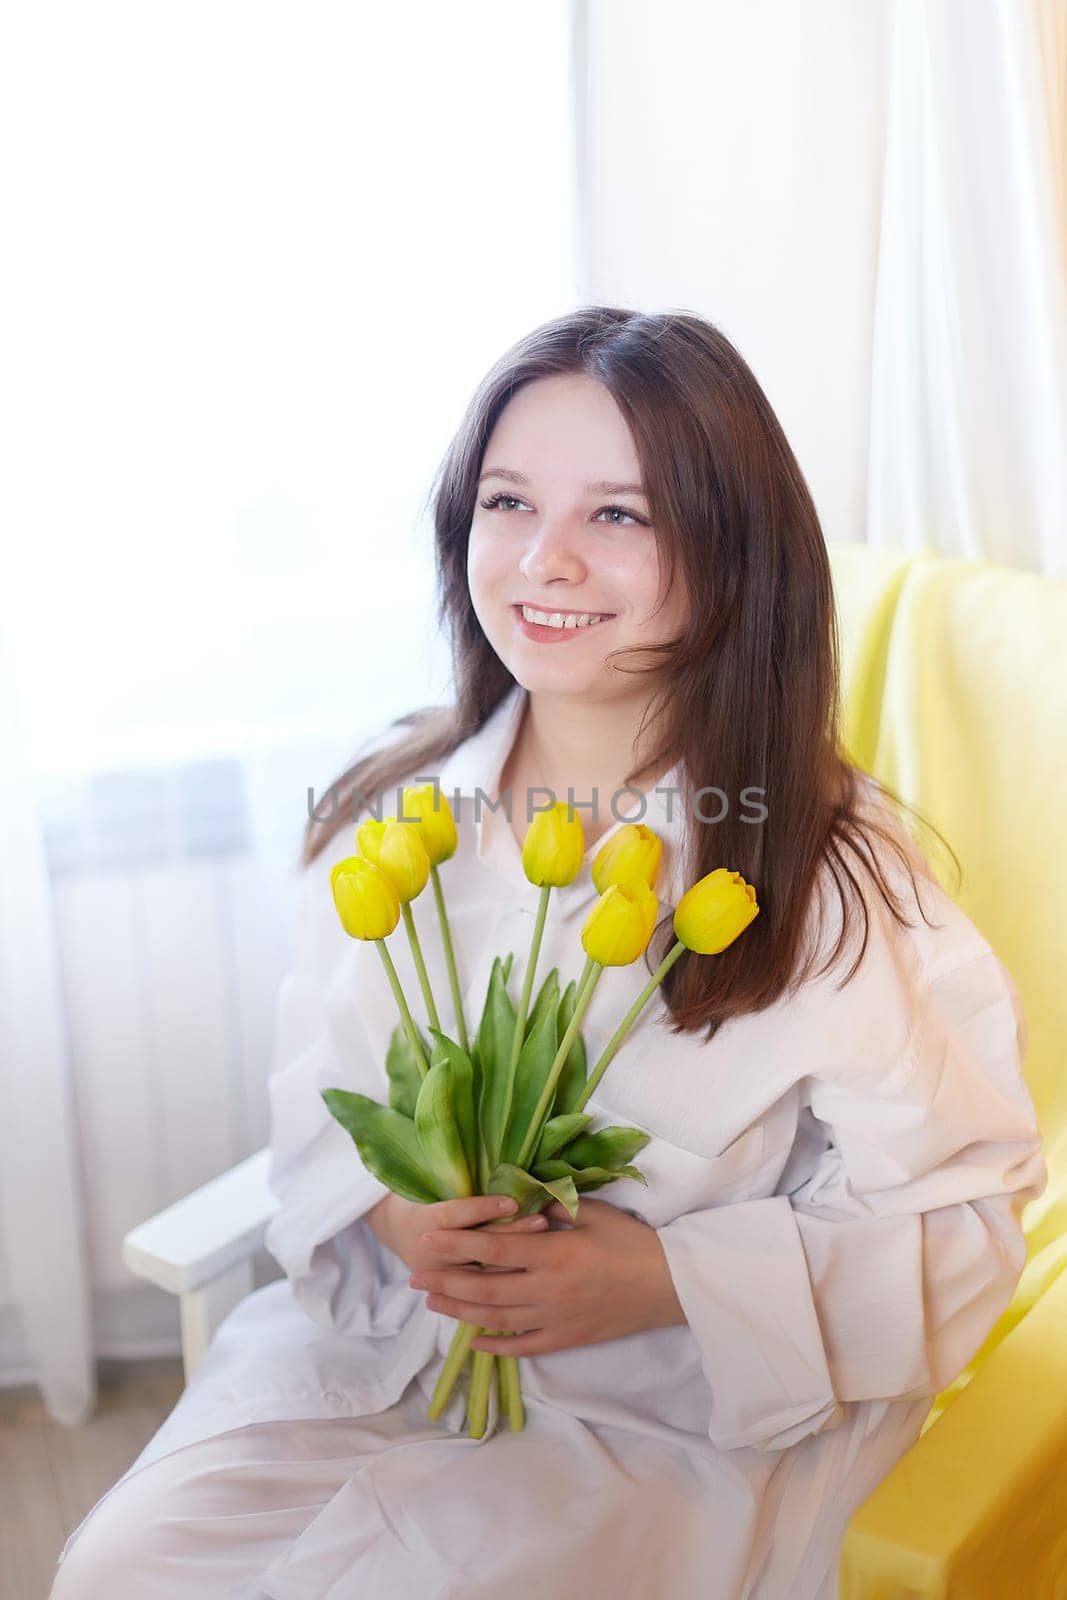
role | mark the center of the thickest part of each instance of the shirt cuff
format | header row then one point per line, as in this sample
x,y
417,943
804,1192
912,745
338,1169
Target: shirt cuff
x,y
741,1276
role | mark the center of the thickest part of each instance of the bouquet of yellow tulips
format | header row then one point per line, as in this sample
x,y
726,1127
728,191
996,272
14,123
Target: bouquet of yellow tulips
x,y
502,1113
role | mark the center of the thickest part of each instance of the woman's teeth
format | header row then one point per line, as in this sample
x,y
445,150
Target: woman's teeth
x,y
560,619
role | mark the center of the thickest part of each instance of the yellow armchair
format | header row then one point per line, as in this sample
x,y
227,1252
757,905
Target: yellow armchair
x,y
954,692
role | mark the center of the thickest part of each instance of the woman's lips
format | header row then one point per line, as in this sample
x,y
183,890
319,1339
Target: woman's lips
x,y
546,635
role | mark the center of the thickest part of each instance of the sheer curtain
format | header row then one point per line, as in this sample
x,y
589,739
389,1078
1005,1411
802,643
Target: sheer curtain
x,y
871,201
41,1192
264,253
968,443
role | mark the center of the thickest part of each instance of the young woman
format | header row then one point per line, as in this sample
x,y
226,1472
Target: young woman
x,y
720,1366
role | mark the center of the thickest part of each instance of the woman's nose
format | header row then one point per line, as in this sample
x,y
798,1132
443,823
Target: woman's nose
x,y
552,552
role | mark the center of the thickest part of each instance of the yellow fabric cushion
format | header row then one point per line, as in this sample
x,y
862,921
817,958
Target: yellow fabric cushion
x,y
954,690
978,1505
954,693
867,584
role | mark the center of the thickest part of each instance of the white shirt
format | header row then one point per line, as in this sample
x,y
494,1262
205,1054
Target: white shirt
x,y
836,1181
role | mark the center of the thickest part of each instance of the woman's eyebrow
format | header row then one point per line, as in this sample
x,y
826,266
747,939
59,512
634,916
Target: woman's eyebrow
x,y
604,487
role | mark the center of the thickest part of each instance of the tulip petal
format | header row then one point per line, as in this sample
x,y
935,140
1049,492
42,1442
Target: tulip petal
x,y
715,911
617,930
554,847
635,851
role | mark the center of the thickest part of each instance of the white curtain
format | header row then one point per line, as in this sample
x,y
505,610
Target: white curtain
x,y
258,257
871,201
968,446
42,1201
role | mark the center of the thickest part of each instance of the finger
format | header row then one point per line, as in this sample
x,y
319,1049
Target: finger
x,y
477,1312
429,1256
533,1224
469,1211
495,1248
475,1284
539,1342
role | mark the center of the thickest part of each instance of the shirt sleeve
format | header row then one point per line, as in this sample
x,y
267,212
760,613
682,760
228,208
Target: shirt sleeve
x,y
338,1269
880,1272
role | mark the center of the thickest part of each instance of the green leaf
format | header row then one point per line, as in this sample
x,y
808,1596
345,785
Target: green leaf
x,y
462,1095
607,1147
558,1130
476,1080
496,1031
589,1184
571,1080
584,1178
405,1079
532,1193
547,995
531,1074
437,1133
387,1144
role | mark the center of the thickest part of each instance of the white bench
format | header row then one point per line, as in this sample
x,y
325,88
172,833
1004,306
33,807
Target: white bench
x,y
202,1248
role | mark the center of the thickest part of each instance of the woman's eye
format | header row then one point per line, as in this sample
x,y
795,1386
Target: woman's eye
x,y
498,500
622,512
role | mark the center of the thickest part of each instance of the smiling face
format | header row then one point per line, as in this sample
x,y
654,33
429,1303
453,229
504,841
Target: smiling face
x,y
561,523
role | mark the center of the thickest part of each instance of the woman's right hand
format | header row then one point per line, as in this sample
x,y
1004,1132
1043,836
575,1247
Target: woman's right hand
x,y
400,1224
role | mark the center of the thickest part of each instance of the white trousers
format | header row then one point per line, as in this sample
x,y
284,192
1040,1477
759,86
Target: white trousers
x,y
387,1507
207,1518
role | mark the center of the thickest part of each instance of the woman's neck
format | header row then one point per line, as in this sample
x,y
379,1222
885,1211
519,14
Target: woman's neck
x,y
581,751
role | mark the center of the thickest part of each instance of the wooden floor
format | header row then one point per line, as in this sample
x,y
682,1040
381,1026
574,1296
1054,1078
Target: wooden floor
x,y
50,1476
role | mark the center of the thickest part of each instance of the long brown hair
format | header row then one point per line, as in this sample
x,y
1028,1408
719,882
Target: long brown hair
x,y
746,698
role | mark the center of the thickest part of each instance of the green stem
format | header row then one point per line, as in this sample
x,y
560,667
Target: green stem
x,y
482,1364
457,1353
511,1391
454,1360
627,1023
402,1006
524,999
501,1395
446,940
589,980
420,965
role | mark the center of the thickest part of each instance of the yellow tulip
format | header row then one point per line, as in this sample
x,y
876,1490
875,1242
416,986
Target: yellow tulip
x,y
397,848
553,848
621,923
712,914
634,852
436,824
365,898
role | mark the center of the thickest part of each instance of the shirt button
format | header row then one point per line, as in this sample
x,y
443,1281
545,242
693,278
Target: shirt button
x,y
333,1399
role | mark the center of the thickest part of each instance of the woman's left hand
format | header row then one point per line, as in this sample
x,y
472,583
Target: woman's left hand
x,y
602,1276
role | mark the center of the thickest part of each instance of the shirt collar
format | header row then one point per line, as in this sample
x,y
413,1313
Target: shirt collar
x,y
476,766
